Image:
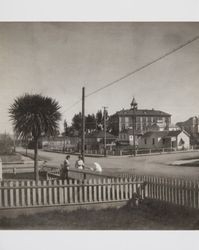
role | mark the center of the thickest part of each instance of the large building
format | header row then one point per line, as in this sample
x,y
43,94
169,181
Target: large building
x,y
145,120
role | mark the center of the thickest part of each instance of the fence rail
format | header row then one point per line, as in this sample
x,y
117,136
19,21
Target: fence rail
x,y
130,151
75,173
57,192
179,192
90,187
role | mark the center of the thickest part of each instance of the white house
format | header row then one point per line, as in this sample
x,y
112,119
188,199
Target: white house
x,y
165,139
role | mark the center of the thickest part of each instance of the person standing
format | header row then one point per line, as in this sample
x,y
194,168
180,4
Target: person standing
x,y
79,164
66,167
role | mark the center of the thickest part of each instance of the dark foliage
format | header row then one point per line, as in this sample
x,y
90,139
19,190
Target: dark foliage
x,y
35,115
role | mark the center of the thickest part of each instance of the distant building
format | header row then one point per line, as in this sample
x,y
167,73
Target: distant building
x,y
173,127
95,140
146,120
165,139
126,137
60,143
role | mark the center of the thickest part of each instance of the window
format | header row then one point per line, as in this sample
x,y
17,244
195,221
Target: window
x,y
126,119
153,141
149,120
145,141
163,141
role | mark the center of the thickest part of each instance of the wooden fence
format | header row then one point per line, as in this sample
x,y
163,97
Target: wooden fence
x,y
129,151
22,194
90,187
175,191
74,173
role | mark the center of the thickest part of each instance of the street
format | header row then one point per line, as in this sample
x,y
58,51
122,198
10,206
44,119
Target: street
x,y
158,165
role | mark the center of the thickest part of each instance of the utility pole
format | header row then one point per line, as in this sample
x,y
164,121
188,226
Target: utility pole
x,y
134,107
83,124
105,116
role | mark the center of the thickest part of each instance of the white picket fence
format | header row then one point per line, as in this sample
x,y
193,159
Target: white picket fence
x,y
89,187
180,192
22,194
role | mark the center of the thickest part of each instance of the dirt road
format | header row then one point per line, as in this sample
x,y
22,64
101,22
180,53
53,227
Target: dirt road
x,y
149,165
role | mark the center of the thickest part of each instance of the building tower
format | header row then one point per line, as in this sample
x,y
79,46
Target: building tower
x,y
134,104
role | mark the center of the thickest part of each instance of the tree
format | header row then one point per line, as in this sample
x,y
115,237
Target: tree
x,y
36,115
90,123
6,144
76,122
99,120
113,125
66,128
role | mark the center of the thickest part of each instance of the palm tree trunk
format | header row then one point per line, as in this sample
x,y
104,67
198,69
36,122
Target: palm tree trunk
x,y
26,147
36,172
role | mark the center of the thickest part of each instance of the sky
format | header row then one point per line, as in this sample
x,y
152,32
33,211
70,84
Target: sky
x,y
57,59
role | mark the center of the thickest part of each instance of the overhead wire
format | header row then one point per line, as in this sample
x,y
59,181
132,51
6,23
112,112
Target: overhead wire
x,y
136,70
143,67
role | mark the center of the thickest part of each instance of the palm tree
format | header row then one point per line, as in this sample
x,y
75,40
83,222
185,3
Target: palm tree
x,y
35,115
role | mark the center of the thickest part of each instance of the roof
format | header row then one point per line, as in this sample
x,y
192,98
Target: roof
x,y
174,133
129,131
151,133
191,120
142,112
165,133
100,134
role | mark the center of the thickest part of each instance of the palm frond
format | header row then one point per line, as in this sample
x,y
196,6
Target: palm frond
x,y
35,115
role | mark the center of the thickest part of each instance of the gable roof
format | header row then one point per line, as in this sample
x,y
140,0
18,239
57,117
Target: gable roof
x,y
143,112
165,133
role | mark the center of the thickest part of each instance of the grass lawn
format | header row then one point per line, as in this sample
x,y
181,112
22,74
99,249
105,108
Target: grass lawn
x,y
19,176
11,158
150,216
17,157
31,155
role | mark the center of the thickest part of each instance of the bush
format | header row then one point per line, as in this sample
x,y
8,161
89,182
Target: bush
x,y
6,144
31,145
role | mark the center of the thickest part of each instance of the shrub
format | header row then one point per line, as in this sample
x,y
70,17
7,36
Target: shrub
x,y
6,144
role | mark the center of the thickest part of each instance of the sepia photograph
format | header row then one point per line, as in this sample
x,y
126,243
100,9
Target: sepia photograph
x,y
99,126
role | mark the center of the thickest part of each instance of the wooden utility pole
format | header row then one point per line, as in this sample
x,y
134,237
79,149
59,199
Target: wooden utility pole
x,y
134,108
83,124
134,125
105,116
